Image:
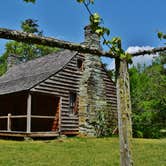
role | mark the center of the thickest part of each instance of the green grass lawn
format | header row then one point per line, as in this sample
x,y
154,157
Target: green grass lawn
x,y
80,152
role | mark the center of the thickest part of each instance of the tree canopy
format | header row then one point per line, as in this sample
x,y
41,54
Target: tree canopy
x,y
148,96
25,51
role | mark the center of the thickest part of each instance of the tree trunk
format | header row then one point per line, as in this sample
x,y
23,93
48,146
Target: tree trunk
x,y
124,112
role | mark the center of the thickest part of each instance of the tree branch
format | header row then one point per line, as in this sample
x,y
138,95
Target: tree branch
x,y
52,42
48,41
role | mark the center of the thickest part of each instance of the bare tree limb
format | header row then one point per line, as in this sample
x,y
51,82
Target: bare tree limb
x,y
52,42
48,41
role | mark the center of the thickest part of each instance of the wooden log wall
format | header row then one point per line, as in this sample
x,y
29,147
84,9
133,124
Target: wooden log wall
x,y
110,89
61,84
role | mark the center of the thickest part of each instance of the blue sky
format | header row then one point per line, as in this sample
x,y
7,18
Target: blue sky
x,y
135,21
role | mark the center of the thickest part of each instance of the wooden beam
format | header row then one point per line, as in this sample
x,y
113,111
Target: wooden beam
x,y
29,100
124,112
42,117
18,116
3,117
24,134
13,116
48,41
52,42
70,132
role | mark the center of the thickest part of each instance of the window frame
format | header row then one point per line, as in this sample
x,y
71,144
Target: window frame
x,y
72,101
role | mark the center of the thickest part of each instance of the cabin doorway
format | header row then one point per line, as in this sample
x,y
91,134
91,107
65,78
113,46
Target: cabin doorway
x,y
45,113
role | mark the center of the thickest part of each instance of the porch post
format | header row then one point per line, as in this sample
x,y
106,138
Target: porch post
x,y
9,122
29,113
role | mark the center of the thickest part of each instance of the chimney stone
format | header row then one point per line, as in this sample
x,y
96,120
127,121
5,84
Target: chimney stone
x,y
92,39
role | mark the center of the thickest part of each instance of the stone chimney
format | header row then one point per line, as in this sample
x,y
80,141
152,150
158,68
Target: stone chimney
x,y
92,40
92,96
13,60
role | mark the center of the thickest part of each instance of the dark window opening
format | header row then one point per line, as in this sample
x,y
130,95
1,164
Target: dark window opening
x,y
73,102
80,64
88,108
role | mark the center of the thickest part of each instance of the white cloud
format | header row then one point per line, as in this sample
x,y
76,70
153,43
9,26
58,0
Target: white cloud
x,y
133,49
142,59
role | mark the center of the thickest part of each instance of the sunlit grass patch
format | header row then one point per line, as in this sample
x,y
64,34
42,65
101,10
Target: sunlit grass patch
x,y
79,152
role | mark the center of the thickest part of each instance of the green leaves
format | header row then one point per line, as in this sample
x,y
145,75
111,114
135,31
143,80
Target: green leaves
x,y
148,86
116,45
102,30
80,1
126,56
160,35
95,18
95,21
116,42
30,26
32,1
25,51
88,1
116,48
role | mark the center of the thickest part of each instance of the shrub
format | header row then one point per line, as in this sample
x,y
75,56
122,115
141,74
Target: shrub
x,y
101,123
145,125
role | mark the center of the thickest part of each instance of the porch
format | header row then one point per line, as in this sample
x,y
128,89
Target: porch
x,y
30,115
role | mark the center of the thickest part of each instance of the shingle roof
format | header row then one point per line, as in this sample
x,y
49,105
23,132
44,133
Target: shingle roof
x,y
26,75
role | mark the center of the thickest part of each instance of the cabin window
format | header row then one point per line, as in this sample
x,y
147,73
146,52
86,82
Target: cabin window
x,y
80,64
73,102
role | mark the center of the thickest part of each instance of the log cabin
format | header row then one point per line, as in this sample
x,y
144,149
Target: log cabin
x,y
56,94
